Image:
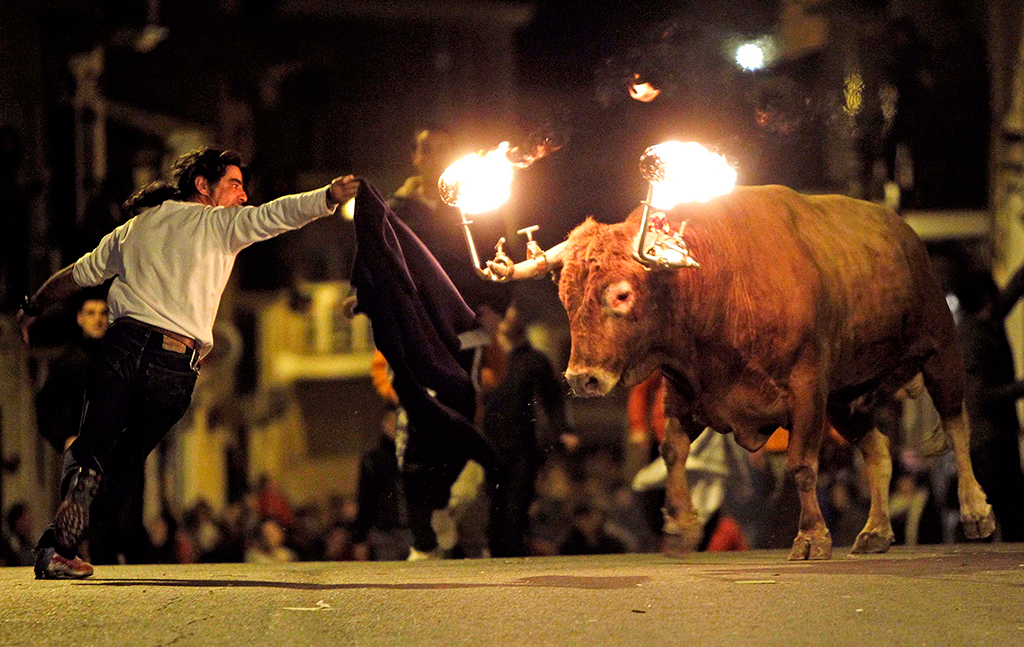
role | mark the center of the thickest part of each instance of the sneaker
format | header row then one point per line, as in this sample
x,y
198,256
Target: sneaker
x,y
419,555
51,565
73,514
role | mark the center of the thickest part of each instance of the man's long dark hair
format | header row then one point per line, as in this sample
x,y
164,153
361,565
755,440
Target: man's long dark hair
x,y
210,163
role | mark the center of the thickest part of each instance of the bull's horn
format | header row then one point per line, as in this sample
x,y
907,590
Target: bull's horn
x,y
538,265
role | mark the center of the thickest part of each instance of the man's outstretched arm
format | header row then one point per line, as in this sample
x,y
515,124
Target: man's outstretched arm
x,y
56,289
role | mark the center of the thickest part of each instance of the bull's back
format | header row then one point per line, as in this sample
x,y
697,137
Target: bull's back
x,y
892,312
861,272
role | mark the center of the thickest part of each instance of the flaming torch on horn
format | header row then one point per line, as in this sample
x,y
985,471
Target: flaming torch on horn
x,y
479,183
677,172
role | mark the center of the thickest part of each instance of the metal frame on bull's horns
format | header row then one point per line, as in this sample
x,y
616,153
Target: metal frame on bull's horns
x,y
654,256
500,258
500,269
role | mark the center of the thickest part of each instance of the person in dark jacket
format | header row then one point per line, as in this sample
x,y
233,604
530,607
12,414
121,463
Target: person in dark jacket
x,y
991,393
60,400
381,531
510,424
418,204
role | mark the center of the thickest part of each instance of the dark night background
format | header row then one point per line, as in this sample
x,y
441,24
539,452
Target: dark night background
x,y
308,89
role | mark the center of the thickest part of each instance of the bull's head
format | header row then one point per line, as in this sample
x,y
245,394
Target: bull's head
x,y
614,303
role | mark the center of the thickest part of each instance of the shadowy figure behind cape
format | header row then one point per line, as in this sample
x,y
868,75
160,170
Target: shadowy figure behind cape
x,y
417,316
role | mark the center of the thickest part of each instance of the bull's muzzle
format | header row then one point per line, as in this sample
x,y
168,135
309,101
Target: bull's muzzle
x,y
590,382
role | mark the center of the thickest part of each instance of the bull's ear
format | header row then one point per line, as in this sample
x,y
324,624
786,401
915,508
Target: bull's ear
x,y
619,298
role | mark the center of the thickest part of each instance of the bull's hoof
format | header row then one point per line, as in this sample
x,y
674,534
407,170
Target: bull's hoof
x,y
870,543
680,536
980,525
811,545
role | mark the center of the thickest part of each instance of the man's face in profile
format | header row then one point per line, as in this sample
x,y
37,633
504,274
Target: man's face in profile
x,y
93,318
229,190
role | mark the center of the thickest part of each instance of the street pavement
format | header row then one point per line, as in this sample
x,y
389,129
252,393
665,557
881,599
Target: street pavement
x,y
967,594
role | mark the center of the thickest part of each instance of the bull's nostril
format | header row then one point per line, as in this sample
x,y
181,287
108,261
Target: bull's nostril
x,y
585,383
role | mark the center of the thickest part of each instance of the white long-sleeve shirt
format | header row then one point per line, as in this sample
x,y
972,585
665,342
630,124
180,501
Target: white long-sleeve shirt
x,y
171,263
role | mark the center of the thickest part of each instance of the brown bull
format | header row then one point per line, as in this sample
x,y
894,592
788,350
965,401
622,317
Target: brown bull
x,y
803,309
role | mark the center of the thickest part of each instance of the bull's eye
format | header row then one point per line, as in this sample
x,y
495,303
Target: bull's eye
x,y
619,298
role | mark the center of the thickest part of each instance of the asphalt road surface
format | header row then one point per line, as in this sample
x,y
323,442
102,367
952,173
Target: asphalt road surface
x,y
938,595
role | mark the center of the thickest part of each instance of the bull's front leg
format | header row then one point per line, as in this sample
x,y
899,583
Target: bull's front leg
x,y
682,528
813,540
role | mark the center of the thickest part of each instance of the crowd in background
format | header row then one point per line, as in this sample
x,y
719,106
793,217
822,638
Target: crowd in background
x,y
582,504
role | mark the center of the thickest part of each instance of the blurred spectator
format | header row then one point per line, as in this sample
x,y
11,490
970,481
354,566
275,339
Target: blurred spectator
x,y
847,512
509,422
913,510
337,544
207,531
307,534
163,536
235,525
645,417
645,411
60,400
991,392
551,511
589,535
342,511
716,471
17,540
14,220
418,203
272,502
380,531
268,545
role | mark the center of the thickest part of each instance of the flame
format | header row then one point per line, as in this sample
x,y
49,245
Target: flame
x,y
643,91
685,172
544,146
478,183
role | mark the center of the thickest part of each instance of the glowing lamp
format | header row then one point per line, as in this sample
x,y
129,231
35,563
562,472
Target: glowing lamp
x,y
750,56
677,172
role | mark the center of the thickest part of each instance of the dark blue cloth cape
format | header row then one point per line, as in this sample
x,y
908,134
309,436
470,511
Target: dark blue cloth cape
x,y
417,316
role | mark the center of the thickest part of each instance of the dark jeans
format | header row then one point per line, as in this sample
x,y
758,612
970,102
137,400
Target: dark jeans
x,y
509,522
136,392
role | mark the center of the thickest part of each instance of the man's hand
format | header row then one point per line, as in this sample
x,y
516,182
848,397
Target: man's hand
x,y
342,189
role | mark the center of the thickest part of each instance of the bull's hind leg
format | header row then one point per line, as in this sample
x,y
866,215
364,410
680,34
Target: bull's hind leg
x,y
975,512
877,535
682,528
943,377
